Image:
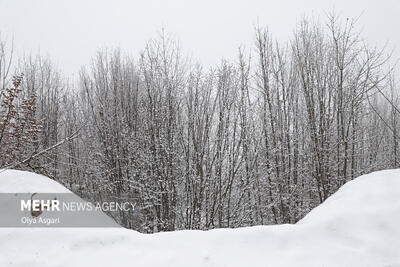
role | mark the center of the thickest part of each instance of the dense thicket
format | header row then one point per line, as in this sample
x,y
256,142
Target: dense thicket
x,y
259,140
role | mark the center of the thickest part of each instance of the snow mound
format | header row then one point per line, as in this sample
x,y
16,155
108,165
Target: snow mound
x,y
25,185
357,226
13,181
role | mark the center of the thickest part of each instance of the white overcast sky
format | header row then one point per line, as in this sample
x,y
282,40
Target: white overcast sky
x,y
71,31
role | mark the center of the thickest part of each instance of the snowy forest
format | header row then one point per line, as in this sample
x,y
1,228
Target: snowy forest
x,y
259,139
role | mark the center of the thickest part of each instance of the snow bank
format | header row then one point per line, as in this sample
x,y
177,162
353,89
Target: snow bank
x,y
357,226
12,181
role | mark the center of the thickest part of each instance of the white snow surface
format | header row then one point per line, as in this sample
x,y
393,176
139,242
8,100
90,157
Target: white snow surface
x,y
357,226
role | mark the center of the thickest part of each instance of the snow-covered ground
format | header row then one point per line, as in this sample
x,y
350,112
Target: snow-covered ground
x,y
357,226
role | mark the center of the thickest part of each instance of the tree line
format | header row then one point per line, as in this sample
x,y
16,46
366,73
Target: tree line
x,y
261,139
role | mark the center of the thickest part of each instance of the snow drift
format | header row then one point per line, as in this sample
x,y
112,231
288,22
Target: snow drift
x,y
357,226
